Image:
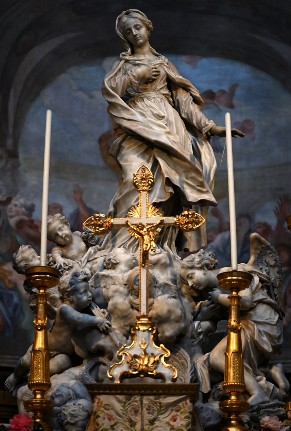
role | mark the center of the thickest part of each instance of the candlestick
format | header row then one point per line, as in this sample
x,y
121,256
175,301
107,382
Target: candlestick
x,y
45,184
234,383
41,278
231,196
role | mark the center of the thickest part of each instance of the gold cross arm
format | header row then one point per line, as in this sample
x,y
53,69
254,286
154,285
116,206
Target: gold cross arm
x,y
100,224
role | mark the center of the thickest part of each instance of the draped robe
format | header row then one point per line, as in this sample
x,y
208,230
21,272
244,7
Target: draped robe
x,y
160,125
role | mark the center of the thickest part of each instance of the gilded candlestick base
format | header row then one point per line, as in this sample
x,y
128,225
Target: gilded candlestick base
x,y
40,409
142,358
234,384
233,407
42,278
238,280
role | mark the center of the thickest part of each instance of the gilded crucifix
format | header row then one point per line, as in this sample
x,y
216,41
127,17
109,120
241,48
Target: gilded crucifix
x,y
144,221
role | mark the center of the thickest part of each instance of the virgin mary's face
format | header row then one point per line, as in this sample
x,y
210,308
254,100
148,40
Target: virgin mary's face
x,y
135,32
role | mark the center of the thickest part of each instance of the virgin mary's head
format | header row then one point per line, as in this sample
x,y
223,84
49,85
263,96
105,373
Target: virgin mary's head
x,y
124,16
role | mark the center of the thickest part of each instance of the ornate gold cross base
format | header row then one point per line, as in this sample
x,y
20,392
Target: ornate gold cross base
x,y
143,358
42,278
234,384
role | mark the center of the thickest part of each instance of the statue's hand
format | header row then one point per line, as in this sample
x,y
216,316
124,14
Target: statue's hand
x,y
155,72
147,73
208,310
64,264
221,131
104,325
214,295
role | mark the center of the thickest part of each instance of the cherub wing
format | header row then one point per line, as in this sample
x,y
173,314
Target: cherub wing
x,y
265,261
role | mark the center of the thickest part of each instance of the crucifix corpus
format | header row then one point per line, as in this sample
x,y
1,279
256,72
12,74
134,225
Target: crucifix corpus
x,y
142,357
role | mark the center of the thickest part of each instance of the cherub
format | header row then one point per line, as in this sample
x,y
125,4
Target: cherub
x,y
198,274
25,257
120,260
261,322
70,245
74,415
132,284
60,395
69,321
63,394
164,265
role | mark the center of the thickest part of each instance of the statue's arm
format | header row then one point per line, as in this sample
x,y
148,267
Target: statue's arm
x,y
186,106
190,111
80,321
246,296
57,254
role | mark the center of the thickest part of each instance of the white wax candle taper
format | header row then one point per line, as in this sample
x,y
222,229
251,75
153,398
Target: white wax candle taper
x,y
45,188
231,195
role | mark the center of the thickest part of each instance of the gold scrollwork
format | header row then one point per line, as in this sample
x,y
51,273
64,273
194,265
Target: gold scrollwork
x,y
189,220
143,179
98,224
142,357
143,364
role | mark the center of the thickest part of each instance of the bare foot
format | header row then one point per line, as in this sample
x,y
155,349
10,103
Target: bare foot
x,y
278,375
11,383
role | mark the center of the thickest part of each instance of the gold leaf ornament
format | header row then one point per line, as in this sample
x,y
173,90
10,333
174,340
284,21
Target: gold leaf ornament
x,y
189,220
98,224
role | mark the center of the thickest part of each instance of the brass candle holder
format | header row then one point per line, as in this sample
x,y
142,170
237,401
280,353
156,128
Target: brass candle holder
x,y
234,384
288,413
42,278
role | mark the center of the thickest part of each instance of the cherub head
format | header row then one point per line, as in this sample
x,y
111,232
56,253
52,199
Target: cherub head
x,y
75,291
132,283
24,258
58,229
120,259
170,317
75,414
61,395
198,271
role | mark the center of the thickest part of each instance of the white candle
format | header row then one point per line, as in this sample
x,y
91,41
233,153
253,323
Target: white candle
x,y
45,188
231,196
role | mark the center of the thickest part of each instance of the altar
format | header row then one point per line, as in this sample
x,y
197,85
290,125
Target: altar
x,y
144,407
134,297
